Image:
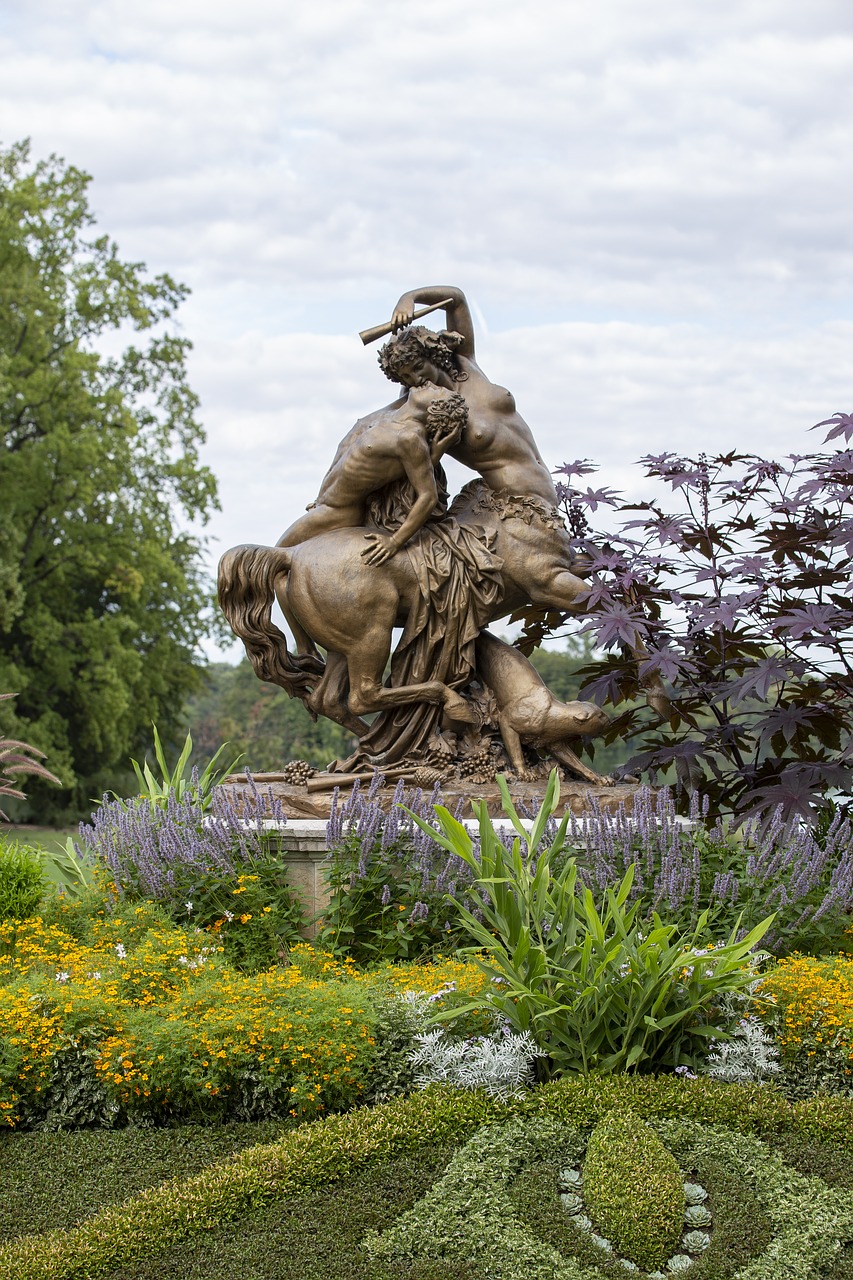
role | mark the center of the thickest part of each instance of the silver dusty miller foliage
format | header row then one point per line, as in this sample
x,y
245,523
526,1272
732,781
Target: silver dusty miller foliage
x,y
750,1057
500,1063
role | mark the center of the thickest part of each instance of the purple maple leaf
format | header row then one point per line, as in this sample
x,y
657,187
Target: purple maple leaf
x,y
580,467
841,424
811,619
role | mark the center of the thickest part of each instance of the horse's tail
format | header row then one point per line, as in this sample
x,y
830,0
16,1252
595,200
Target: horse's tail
x,y
246,587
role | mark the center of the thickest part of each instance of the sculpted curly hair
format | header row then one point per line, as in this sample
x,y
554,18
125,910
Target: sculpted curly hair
x,y
417,341
449,411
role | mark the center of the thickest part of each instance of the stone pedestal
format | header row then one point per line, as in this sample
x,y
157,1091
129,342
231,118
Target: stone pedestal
x,y
302,841
303,846
314,799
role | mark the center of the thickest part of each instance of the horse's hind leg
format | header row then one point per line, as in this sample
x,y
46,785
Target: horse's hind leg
x,y
329,699
305,646
366,661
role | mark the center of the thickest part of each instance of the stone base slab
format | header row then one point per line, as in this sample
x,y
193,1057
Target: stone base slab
x,y
307,801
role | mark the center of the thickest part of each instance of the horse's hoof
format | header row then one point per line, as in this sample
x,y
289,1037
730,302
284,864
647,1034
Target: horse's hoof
x,y
460,711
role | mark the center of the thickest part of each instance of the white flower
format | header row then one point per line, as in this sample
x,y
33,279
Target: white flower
x,y
62,976
189,907
120,951
183,960
229,916
95,977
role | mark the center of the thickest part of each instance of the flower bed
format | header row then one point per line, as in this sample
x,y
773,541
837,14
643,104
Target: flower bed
x,y
145,1020
813,998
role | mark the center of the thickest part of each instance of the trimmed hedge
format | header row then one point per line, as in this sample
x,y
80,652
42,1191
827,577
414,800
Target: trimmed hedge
x,y
329,1150
316,1235
58,1180
634,1189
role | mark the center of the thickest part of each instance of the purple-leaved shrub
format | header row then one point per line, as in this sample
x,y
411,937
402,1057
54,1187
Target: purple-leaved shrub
x,y
739,595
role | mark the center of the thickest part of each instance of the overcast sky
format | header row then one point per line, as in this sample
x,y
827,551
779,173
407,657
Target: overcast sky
x,y
648,205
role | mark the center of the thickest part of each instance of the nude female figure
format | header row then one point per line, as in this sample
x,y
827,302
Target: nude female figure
x,y
497,442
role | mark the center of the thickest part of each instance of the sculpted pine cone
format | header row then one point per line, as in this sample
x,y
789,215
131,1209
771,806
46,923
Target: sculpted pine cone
x,y
424,776
298,772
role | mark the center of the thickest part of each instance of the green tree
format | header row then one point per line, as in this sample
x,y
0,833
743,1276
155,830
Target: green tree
x,y
102,595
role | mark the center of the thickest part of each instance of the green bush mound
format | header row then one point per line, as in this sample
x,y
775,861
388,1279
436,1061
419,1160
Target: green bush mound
x,y
742,1230
22,882
634,1189
324,1152
314,1236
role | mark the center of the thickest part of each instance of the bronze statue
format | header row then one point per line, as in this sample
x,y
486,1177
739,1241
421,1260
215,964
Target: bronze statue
x,y
380,548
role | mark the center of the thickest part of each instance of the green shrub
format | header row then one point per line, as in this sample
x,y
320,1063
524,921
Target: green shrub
x,y
815,1159
22,883
598,988
634,1189
54,1180
741,1231
802,1224
469,1209
317,1234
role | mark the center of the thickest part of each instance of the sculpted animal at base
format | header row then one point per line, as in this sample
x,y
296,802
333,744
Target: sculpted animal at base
x,y
529,713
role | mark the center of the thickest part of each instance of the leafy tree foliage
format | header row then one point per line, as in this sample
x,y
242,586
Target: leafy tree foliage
x,y
741,599
102,598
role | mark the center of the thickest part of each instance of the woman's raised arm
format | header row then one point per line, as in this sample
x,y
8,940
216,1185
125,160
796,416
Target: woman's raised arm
x,y
458,313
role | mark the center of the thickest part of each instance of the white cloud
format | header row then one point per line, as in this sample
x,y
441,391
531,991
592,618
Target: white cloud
x,y
648,204
277,406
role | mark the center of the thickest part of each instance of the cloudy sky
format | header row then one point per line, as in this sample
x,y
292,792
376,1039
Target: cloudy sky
x,y
648,205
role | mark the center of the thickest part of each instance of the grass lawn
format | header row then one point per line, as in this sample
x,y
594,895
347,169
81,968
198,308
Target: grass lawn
x,y
50,838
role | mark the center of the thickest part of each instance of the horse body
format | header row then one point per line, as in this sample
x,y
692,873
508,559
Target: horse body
x,y
350,608
329,594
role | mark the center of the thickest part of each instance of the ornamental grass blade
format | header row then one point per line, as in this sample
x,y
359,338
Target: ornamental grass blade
x,y
522,950
592,920
453,837
509,808
549,804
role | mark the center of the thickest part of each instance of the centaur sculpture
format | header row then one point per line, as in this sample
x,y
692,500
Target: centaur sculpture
x,y
381,548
